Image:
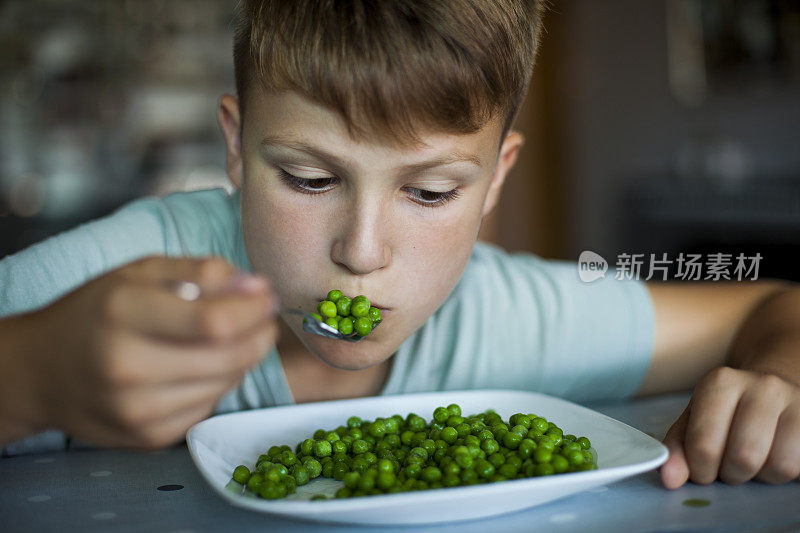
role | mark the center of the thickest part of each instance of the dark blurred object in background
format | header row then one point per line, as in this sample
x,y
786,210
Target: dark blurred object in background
x,y
103,102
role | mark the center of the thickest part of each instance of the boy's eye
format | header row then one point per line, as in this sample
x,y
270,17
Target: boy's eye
x,y
308,186
431,198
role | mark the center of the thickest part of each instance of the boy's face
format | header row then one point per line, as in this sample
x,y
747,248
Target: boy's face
x,y
323,211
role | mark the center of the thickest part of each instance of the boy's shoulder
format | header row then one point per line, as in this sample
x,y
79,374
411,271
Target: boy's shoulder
x,y
198,223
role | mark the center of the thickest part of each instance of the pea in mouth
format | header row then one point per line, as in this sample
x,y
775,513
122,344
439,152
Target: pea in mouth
x,y
352,317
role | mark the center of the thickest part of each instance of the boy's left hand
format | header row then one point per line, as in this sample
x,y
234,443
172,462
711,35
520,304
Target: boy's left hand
x,y
739,425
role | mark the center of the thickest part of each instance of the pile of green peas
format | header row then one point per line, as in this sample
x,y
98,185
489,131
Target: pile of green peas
x,y
397,454
348,316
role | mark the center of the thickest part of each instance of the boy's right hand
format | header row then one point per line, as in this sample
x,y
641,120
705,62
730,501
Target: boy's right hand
x,y
125,361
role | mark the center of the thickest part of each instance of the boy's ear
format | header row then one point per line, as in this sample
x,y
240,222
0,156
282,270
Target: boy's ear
x,y
230,122
505,161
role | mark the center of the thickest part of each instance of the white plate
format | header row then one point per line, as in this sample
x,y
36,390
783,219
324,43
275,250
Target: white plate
x,y
220,443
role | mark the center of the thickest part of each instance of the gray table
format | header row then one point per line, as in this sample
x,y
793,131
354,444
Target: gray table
x,y
119,491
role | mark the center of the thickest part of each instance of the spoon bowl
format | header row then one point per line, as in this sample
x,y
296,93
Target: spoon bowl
x,y
312,325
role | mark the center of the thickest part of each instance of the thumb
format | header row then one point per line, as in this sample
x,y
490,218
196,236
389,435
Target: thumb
x,y
675,471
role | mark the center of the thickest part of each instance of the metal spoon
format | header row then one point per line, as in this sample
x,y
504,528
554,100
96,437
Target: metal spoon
x,y
190,291
312,325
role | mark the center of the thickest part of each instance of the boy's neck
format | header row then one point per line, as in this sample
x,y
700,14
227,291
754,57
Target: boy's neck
x,y
311,380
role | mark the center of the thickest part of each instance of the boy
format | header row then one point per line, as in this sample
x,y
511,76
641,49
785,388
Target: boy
x,y
367,143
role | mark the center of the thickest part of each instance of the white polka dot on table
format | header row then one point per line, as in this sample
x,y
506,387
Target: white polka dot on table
x,y
599,489
101,473
42,460
104,515
563,518
38,498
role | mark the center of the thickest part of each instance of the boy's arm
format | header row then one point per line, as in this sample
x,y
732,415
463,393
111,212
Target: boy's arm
x,y
738,345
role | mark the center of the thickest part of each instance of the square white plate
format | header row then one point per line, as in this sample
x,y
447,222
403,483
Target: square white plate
x,y
220,443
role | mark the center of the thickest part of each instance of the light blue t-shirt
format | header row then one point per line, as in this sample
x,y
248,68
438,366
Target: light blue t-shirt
x,y
513,320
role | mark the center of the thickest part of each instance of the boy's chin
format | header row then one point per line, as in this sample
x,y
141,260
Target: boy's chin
x,y
348,355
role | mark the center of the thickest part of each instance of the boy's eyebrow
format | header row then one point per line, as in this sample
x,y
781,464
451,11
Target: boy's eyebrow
x,y
454,157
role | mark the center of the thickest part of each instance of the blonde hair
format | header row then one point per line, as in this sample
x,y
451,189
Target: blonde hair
x,y
393,67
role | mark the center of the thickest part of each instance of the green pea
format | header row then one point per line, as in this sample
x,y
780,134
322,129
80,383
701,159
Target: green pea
x,y
539,424
340,468
385,480
254,483
270,491
359,308
289,483
307,447
484,468
584,443
542,455
469,476
334,295
385,465
343,306
241,474
560,464
508,470
392,426
490,446
273,473
544,469
449,435
363,326
332,322
338,446
431,474
415,422
441,414
345,325
314,468
575,458
526,448
374,314
327,308
317,316
300,474
377,429
497,459
451,480
512,440
322,448
360,446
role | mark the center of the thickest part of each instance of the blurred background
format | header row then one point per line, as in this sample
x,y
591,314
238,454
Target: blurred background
x,y
657,126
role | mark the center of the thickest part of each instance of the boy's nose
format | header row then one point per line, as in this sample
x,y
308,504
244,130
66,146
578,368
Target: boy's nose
x,y
362,247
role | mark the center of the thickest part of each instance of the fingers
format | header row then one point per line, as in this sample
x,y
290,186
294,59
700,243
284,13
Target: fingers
x,y
156,310
675,471
135,360
751,433
715,400
783,462
210,273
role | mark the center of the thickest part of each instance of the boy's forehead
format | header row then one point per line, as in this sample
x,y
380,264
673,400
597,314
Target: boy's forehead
x,y
290,120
